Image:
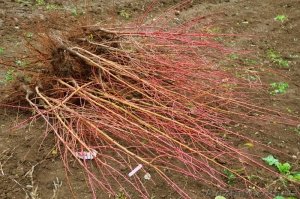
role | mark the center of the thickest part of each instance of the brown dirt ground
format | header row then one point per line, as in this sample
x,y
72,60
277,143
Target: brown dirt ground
x,y
28,164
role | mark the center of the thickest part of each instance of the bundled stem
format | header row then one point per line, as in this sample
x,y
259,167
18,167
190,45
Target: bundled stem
x,y
145,97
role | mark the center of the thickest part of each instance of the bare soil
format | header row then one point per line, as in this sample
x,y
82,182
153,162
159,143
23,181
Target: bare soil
x,y
28,161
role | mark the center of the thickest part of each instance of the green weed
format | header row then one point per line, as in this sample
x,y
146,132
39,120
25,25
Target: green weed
x,y
40,2
297,129
74,11
280,18
230,176
52,6
283,168
121,195
271,160
9,76
214,30
248,61
1,50
278,88
48,6
282,197
277,58
25,2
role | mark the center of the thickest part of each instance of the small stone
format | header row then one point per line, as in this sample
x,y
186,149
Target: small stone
x,y
147,176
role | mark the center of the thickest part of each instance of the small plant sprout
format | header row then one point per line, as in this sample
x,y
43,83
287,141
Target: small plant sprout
x,y
125,14
120,195
74,11
52,6
9,76
248,61
233,56
214,30
1,50
280,18
40,2
25,2
29,35
297,129
278,88
20,63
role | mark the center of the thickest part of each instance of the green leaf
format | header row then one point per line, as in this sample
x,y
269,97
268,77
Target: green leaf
x,y
1,51
284,168
270,160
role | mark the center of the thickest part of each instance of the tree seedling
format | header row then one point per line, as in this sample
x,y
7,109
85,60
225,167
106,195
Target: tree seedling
x,y
278,88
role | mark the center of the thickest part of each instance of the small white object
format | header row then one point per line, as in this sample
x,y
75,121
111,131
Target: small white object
x,y
136,169
86,155
147,176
